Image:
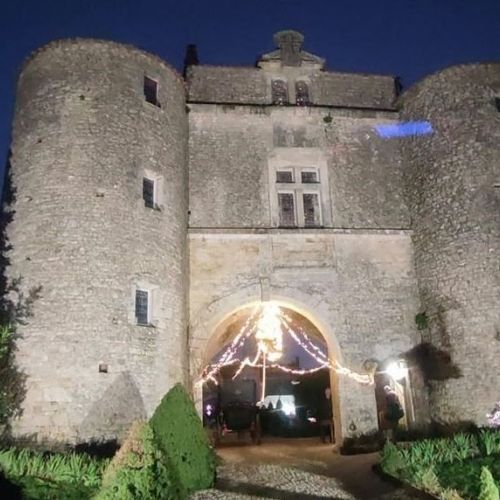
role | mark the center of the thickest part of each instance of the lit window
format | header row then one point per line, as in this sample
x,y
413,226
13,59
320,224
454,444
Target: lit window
x,y
142,307
148,192
309,177
301,94
286,205
151,91
279,92
312,214
285,176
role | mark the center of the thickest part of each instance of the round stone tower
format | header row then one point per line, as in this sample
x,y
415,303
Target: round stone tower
x,y
453,184
99,221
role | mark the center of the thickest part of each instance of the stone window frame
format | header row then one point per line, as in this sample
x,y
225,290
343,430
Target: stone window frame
x,y
158,189
154,102
154,300
303,159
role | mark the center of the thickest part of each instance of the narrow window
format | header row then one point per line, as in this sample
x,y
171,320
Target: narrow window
x,y
148,192
311,210
497,103
142,307
301,93
285,176
286,204
151,91
279,92
309,177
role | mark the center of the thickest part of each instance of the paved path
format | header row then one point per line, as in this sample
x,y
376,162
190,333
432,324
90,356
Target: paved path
x,y
297,469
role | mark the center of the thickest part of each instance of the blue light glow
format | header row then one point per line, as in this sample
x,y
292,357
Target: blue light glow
x,y
389,130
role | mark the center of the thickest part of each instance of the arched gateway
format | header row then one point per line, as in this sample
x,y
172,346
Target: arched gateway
x,y
219,324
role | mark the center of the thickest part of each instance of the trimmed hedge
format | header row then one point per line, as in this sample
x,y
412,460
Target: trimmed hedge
x,y
140,470
180,434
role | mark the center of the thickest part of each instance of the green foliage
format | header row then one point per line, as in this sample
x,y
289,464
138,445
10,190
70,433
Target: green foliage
x,y
7,395
422,321
450,494
451,464
429,481
52,476
140,470
392,460
181,436
328,119
462,446
489,442
488,489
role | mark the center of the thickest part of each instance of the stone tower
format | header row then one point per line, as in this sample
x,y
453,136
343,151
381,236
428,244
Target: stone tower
x,y
98,124
453,187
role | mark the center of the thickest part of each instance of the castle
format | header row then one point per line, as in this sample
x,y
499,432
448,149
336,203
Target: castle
x,y
153,210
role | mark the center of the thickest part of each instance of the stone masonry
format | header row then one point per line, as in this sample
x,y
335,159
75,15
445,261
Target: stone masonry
x,y
401,226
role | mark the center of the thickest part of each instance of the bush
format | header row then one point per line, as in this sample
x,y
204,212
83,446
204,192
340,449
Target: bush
x,y
181,436
140,470
489,490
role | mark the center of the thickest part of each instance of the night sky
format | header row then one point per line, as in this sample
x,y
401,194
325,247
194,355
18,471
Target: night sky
x,y
410,38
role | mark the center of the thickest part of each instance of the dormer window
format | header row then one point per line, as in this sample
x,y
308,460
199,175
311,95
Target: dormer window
x,y
301,94
279,90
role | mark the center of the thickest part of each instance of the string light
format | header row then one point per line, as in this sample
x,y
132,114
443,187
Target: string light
x,y
268,331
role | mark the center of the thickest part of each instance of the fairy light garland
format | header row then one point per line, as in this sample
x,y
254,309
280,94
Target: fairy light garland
x,y
267,330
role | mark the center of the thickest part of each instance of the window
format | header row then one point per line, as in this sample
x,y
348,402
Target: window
x,y
279,92
151,91
299,196
312,214
309,176
286,205
301,93
148,192
284,176
497,103
142,307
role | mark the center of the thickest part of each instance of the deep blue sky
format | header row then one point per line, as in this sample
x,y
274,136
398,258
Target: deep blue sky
x,y
410,38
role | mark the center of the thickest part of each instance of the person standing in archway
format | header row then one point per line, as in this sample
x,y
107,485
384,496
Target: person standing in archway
x,y
325,415
393,412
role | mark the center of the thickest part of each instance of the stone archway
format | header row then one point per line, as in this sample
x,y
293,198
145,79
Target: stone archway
x,y
216,325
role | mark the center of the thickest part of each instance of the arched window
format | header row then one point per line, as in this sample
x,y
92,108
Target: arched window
x,y
301,93
279,92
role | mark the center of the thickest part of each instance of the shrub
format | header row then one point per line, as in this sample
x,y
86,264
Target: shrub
x,y
488,489
140,470
181,436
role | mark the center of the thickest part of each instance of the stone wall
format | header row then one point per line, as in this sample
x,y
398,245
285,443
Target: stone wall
x,y
232,149
247,85
452,179
357,287
83,138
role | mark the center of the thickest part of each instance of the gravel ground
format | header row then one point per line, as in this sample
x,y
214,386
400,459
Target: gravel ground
x,y
297,470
